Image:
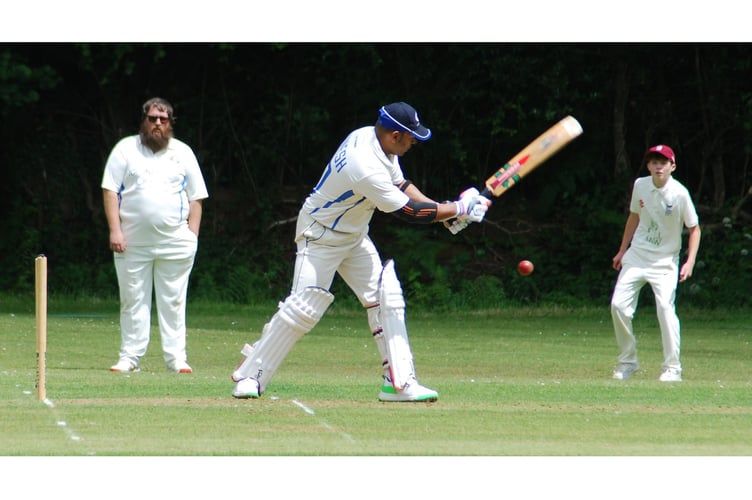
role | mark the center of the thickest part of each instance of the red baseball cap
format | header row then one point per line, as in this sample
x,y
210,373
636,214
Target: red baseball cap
x,y
662,150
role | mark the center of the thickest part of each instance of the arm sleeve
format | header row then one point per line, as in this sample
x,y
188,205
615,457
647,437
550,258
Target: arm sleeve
x,y
406,184
114,170
195,185
417,212
691,218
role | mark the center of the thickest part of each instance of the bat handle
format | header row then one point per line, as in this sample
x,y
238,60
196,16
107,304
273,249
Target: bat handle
x,y
458,225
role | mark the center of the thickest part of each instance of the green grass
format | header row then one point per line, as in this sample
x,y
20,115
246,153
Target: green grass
x,y
530,382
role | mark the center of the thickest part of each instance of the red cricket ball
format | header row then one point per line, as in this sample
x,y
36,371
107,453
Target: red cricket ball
x,y
525,267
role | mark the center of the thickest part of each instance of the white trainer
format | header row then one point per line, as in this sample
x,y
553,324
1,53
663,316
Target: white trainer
x,y
246,388
624,371
670,375
412,392
180,367
124,366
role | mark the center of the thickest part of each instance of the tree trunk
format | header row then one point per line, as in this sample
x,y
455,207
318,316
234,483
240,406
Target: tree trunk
x,y
621,93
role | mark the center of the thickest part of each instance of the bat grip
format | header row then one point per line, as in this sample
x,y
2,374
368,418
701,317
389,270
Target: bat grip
x,y
458,225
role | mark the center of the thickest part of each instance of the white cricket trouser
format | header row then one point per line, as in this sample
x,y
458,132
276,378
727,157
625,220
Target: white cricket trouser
x,y
322,253
166,268
663,279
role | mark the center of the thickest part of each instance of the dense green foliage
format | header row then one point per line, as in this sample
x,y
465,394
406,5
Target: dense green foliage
x,y
264,119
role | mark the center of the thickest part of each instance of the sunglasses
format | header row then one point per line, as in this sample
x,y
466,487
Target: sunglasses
x,y
153,119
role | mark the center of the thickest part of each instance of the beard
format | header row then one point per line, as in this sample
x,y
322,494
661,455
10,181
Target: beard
x,y
155,138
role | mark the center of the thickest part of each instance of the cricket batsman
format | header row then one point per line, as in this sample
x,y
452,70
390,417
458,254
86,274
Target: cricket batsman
x,y
363,175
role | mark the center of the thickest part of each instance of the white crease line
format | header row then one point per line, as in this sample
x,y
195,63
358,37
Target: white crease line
x,y
304,407
62,423
323,423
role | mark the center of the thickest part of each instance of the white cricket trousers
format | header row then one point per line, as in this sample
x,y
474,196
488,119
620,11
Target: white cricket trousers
x,y
663,277
166,269
322,253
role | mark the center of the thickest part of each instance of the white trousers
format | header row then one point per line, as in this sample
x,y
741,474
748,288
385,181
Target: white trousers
x,y
166,269
321,253
663,277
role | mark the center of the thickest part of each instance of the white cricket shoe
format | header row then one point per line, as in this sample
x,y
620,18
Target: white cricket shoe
x,y
179,367
124,366
412,392
624,371
670,375
246,388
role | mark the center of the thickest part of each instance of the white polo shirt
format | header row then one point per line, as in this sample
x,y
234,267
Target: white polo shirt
x,y
663,214
358,179
154,188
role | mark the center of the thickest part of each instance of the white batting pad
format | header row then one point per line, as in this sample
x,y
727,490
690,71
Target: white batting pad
x,y
392,311
296,316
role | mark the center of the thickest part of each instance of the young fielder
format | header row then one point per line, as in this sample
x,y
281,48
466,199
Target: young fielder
x,y
332,237
660,208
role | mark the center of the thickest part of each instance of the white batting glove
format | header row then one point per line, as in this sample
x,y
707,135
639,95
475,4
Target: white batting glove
x,y
465,202
469,192
472,206
478,209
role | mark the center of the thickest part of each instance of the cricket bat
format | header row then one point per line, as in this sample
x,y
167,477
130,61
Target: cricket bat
x,y
524,162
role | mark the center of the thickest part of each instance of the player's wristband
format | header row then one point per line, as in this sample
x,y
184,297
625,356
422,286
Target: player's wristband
x,y
458,207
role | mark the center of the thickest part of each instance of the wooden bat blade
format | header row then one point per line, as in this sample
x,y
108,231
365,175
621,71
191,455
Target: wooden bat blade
x,y
524,162
533,155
